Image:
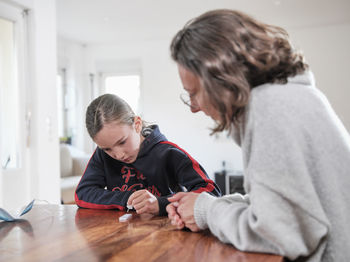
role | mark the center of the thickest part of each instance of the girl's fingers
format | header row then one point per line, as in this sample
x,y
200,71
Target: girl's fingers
x,y
135,195
143,196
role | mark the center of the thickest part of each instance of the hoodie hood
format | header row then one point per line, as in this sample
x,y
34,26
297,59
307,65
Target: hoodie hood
x,y
151,140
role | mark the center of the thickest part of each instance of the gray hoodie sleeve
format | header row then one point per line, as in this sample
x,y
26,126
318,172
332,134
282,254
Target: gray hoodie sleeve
x,y
258,227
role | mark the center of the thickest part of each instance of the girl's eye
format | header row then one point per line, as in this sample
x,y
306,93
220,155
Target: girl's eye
x,y
122,142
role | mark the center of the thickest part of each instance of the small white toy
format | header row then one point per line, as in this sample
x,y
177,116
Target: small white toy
x,y
125,217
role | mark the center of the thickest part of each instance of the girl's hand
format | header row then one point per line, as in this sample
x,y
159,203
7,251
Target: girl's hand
x,y
144,202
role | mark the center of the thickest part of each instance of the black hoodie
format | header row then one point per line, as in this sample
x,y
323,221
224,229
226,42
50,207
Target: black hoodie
x,y
161,167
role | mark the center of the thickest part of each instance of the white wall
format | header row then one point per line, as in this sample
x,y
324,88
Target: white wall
x,y
44,154
326,50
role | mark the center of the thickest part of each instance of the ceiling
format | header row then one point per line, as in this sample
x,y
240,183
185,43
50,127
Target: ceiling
x,y
93,22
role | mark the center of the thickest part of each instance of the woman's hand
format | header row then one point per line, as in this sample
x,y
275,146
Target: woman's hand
x,y
144,202
174,216
181,211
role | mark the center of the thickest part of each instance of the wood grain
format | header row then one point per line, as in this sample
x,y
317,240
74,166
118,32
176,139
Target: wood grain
x,y
68,233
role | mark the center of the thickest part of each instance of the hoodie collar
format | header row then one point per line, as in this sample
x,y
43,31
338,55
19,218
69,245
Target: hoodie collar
x,y
306,78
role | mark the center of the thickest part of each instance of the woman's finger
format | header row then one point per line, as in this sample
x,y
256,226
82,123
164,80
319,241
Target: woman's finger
x,y
177,197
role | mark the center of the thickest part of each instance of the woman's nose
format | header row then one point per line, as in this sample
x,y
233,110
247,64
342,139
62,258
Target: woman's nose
x,y
194,106
195,109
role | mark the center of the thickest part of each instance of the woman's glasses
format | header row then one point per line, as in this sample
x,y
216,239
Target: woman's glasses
x,y
185,98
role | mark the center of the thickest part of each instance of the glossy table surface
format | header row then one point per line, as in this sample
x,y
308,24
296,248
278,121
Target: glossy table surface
x,y
68,233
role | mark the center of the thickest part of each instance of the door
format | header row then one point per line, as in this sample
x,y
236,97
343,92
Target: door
x,y
14,124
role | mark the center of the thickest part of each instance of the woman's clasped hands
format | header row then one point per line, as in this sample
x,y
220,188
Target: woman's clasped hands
x,y
180,210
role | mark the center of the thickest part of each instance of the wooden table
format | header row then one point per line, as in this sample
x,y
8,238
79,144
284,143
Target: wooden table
x,y
68,233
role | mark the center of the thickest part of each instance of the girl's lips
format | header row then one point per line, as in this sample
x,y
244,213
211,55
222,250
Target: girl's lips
x,y
126,160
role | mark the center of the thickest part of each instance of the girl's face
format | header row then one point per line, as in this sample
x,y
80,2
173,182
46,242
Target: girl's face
x,y
198,97
121,141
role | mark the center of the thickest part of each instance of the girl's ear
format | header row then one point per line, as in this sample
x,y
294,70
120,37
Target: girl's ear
x,y
138,124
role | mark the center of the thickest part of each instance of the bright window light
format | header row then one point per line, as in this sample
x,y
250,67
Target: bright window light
x,y
126,87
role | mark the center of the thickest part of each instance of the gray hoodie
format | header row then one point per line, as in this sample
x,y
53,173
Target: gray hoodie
x,y
296,156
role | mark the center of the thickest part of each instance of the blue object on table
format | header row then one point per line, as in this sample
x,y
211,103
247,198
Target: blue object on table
x,y
6,216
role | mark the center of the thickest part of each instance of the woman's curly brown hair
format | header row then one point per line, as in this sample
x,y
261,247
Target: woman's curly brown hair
x,y
232,53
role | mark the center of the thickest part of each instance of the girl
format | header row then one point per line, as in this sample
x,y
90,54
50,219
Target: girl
x,y
296,152
134,164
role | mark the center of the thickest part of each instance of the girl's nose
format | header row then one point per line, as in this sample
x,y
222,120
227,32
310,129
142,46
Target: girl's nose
x,y
117,155
120,156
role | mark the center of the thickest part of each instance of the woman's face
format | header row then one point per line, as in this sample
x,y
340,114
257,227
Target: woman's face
x,y
121,141
198,97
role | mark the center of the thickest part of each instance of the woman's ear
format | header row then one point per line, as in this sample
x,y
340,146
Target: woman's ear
x,y
138,124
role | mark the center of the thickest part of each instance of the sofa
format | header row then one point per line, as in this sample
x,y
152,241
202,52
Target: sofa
x,y
72,164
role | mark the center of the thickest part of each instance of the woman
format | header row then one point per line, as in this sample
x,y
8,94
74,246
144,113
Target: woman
x,y
296,152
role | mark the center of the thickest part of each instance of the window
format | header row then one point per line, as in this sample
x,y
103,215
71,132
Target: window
x,y
9,107
126,87
65,107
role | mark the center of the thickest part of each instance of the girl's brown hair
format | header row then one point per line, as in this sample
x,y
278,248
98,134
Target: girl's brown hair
x,y
232,53
105,109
